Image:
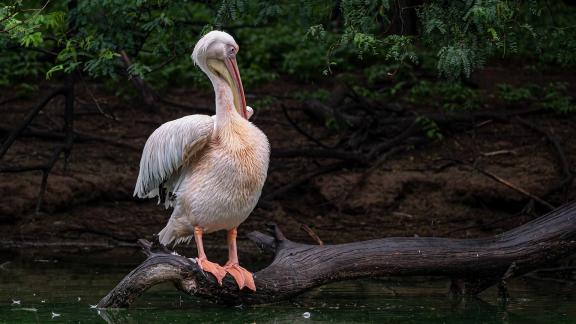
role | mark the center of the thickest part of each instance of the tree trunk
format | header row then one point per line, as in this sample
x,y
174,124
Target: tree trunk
x,y
473,264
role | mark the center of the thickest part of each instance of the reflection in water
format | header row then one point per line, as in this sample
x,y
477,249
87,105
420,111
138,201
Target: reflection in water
x,y
113,316
64,292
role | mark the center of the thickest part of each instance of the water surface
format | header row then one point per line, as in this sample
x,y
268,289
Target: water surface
x,y
46,291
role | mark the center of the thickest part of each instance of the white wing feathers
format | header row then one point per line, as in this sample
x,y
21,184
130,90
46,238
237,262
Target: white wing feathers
x,y
165,153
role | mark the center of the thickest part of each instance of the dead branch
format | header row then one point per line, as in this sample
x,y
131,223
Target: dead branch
x,y
505,182
383,158
11,99
567,174
68,138
185,106
320,153
514,187
79,137
499,152
96,103
302,180
312,234
46,171
302,131
474,264
384,146
28,119
447,119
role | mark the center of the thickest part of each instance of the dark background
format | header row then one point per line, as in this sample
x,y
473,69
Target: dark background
x,y
371,137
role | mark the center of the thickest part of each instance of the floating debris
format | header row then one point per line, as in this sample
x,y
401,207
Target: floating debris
x,y
54,315
15,302
306,314
93,306
43,301
79,298
46,261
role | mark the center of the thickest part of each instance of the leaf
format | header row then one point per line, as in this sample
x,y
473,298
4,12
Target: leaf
x,y
55,68
33,39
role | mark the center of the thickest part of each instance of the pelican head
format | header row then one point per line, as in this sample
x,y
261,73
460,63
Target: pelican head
x,y
215,54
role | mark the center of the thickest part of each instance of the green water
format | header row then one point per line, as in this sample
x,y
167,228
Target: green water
x,y
46,291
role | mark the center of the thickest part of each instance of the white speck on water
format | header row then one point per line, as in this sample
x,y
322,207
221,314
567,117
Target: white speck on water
x,y
306,314
29,309
93,306
174,253
477,255
54,315
15,302
43,301
79,298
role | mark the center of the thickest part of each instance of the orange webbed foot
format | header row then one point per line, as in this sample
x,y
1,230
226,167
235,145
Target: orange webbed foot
x,y
242,276
216,270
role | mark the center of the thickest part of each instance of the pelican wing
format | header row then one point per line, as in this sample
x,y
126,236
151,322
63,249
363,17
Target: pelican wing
x,y
166,151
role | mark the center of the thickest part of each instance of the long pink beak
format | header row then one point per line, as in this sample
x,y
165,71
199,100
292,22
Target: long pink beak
x,y
232,67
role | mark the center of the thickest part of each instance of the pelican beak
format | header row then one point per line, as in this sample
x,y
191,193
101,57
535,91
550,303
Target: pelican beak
x,y
237,88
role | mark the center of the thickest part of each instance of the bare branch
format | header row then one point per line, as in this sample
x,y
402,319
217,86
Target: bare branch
x,y
474,264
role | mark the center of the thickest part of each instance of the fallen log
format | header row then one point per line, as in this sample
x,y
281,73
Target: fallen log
x,y
473,264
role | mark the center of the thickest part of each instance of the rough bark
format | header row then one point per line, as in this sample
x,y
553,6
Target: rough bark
x,y
473,264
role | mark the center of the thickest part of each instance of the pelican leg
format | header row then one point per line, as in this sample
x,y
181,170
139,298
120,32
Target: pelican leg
x,y
242,276
202,260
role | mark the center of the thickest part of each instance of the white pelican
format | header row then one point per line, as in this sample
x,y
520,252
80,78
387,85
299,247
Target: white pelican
x,y
211,169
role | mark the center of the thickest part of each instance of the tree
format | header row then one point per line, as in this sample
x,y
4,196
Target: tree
x,y
157,36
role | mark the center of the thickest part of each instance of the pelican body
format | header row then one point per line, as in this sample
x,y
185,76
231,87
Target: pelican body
x,y
210,169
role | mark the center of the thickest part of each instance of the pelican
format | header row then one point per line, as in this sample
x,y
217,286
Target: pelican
x,y
210,169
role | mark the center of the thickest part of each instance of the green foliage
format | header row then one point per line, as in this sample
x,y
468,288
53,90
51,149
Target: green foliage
x,y
430,128
558,46
369,93
380,72
553,96
555,99
448,96
514,95
466,33
261,103
302,38
318,94
456,61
